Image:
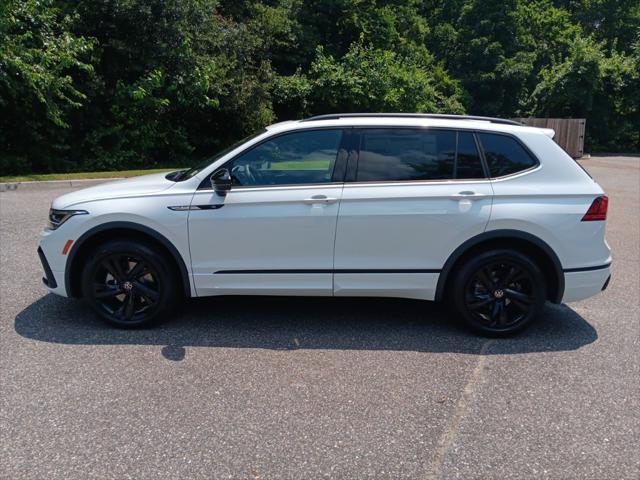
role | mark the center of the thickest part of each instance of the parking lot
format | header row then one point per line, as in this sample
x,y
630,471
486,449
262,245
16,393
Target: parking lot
x,y
263,388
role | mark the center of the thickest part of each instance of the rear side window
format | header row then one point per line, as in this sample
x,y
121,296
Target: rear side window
x,y
505,155
468,163
417,154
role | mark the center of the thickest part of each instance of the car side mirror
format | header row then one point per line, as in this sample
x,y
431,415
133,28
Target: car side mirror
x,y
221,181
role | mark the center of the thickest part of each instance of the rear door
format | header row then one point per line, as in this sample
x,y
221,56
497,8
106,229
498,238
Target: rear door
x,y
274,231
412,196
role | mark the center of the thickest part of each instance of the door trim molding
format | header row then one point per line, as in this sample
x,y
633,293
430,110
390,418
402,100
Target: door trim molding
x,y
328,270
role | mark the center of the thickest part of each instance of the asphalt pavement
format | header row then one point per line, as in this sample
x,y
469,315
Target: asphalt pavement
x,y
299,388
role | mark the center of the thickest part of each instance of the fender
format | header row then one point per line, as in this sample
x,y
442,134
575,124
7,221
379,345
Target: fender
x,y
501,234
129,226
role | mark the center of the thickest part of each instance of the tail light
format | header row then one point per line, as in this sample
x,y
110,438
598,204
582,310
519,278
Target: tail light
x,y
597,210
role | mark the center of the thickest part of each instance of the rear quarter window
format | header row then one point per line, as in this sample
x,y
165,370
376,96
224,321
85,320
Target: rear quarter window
x,y
505,155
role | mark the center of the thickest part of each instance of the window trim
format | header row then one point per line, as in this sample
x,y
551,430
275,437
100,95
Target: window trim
x,y
205,185
359,129
483,163
351,141
520,142
483,160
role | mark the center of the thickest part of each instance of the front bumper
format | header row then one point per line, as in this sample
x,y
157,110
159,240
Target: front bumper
x,y
53,262
585,284
49,278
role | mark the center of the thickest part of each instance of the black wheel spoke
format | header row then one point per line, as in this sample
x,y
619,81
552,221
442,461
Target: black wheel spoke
x,y
129,306
478,301
495,312
503,318
514,274
524,308
112,265
105,291
485,280
144,297
515,295
145,291
140,270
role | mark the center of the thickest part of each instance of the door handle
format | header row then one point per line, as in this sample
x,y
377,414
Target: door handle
x,y
468,195
322,199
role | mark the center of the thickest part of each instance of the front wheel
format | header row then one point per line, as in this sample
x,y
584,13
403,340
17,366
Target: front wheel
x,y
498,292
129,284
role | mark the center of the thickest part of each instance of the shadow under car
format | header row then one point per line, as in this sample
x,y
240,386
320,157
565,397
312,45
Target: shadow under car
x,y
289,323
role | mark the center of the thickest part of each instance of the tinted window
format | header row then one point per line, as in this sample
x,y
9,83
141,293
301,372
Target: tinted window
x,y
406,154
505,155
417,154
293,158
468,163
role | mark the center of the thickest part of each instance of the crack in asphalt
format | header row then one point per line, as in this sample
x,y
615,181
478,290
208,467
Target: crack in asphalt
x,y
446,440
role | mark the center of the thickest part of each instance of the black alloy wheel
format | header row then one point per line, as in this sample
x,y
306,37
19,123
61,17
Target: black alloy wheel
x,y
499,292
128,284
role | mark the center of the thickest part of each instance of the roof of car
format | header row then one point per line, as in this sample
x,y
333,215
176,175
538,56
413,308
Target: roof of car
x,y
410,120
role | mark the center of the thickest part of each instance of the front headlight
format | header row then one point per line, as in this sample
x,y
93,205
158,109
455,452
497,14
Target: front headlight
x,y
58,217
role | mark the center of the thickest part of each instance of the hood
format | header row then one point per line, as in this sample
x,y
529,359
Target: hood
x,y
128,187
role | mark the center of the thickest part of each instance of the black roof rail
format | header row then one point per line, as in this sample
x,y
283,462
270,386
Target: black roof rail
x,y
439,116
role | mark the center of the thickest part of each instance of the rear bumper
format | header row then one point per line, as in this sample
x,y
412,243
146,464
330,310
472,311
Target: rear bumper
x,y
579,285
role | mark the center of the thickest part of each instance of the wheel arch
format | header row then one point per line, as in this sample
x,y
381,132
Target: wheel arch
x,y
522,241
111,230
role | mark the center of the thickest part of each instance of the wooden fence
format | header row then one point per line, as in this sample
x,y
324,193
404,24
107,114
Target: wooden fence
x,y
569,132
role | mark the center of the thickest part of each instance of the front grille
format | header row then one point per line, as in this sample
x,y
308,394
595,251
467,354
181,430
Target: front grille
x,y
49,280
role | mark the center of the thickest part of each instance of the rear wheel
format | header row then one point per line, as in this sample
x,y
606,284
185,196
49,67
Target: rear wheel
x,y
129,284
498,292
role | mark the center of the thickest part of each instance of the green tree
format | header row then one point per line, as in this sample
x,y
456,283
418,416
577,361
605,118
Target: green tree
x,y
603,89
486,37
614,22
41,63
176,80
370,79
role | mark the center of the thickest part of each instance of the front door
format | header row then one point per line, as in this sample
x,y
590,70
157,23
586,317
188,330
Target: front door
x,y
274,231
414,196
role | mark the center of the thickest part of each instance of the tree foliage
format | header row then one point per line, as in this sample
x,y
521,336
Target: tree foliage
x,y
106,84
44,68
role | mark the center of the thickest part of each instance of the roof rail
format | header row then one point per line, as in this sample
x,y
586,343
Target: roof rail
x,y
439,116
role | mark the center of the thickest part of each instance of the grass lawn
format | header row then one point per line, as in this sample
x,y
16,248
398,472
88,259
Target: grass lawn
x,y
38,177
301,165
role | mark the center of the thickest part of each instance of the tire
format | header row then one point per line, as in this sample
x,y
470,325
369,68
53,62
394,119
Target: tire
x,y
129,284
498,292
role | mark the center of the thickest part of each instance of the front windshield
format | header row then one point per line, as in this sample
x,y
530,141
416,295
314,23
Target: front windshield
x,y
209,160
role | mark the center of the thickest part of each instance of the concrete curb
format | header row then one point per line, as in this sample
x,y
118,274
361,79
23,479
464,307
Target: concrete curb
x,y
52,184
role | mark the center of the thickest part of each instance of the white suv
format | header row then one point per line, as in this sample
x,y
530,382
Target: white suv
x,y
490,215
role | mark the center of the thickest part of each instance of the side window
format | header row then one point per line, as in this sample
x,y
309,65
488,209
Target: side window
x,y
417,154
294,158
406,154
504,155
468,163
